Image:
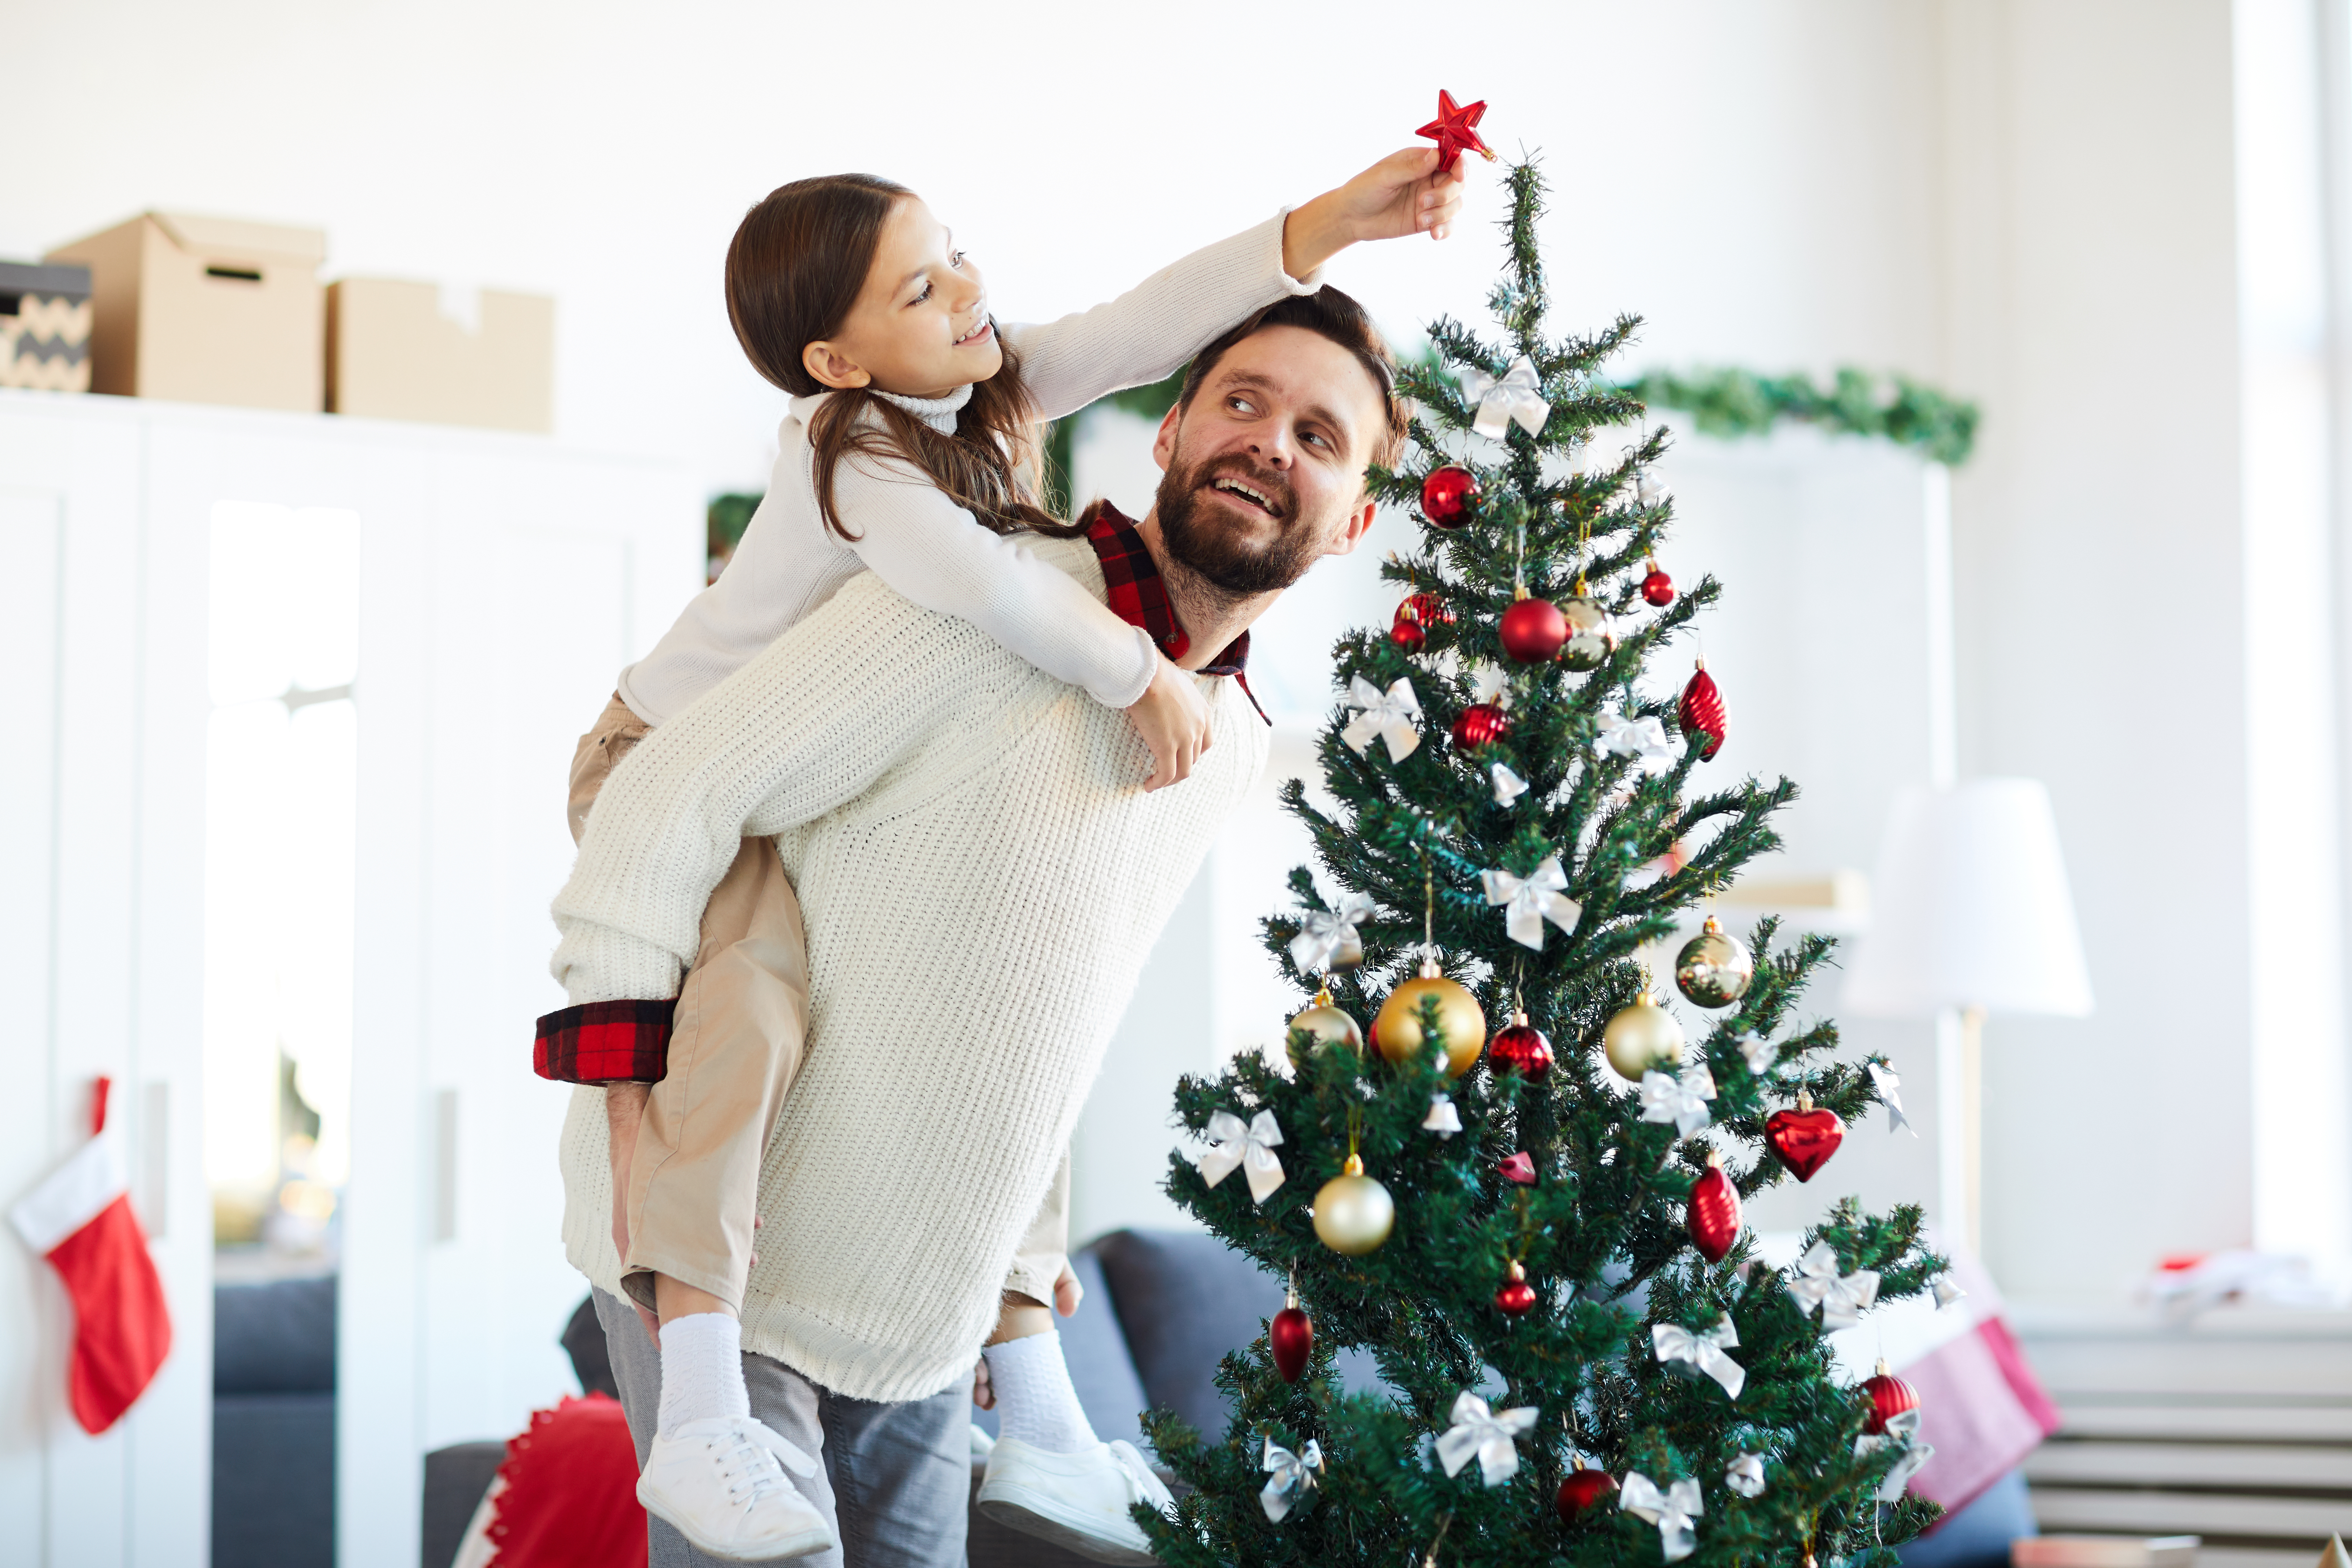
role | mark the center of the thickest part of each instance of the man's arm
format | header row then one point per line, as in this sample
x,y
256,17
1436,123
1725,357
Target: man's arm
x,y
807,725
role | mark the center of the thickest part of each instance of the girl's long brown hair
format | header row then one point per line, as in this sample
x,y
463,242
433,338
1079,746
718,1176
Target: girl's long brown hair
x,y
795,268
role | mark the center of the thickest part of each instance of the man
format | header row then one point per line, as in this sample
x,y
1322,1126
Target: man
x,y
982,883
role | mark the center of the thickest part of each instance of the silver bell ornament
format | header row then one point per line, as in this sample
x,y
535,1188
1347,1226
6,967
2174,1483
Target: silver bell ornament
x,y
1713,969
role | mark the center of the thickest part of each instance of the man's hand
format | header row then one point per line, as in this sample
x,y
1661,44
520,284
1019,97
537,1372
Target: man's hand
x,y
1173,721
1402,194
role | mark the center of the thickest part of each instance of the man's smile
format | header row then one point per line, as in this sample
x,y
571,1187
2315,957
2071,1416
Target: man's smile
x,y
1245,497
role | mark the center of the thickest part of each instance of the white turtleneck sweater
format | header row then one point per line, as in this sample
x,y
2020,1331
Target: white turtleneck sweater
x,y
934,552
981,880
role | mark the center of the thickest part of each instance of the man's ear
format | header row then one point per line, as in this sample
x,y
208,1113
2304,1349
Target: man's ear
x,y
831,367
1163,445
1360,522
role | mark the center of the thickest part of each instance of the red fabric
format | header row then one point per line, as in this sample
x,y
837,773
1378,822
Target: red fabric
x,y
604,1042
123,1328
1983,1410
571,1497
1138,594
2011,1357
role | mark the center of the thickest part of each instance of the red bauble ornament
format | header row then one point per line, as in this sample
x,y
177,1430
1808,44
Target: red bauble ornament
x,y
1291,1337
1702,711
1407,634
1533,630
1890,1397
1520,1049
1579,1490
1447,496
1516,1298
1657,587
1480,722
1456,131
1713,1212
1428,610
1804,1139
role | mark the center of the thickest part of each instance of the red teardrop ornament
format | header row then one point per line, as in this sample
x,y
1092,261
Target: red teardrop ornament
x,y
1579,1490
1890,1397
1517,1168
1408,634
1713,1213
1533,630
1702,712
1448,495
1291,1337
1805,1138
1480,722
1657,587
1516,1298
1520,1049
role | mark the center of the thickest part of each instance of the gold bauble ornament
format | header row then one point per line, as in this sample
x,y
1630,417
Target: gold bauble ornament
x,y
1641,1037
1713,969
1590,637
1353,1213
1397,1030
1327,1024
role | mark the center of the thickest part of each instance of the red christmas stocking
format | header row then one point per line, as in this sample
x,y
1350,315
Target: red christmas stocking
x,y
80,1220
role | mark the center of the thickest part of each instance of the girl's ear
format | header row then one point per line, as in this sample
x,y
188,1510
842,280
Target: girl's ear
x,y
831,367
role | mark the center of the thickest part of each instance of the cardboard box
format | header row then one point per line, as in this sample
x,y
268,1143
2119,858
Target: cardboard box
x,y
2105,1552
412,350
206,309
45,327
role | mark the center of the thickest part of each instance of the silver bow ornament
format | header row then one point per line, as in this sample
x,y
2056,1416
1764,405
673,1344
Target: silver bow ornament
x,y
1644,738
1518,395
1489,683
1903,1428
1757,1051
1843,1298
1293,1480
1679,1350
1509,786
1323,933
1680,1100
1745,1475
1490,1434
1443,1119
1883,1079
1237,1146
1532,900
1672,1511
1393,715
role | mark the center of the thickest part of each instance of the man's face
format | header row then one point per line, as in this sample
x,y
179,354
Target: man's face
x,y
1264,468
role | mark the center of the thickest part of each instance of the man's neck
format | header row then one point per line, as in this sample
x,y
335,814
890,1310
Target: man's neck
x,y
1212,617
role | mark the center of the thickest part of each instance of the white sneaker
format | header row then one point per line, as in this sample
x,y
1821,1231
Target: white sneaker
x,y
1078,1502
717,1481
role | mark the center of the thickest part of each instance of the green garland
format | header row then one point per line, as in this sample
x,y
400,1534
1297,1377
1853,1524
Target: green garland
x,y
1730,404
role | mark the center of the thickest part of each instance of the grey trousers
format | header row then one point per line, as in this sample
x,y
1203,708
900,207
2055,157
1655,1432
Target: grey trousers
x,y
896,1478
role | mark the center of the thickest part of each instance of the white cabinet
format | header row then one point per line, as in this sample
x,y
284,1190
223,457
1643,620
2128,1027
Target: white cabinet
x,y
503,581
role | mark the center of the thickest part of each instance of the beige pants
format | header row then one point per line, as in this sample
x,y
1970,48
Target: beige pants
x,y
736,1045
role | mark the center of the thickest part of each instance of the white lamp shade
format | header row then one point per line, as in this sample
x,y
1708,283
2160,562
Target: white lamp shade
x,y
1970,908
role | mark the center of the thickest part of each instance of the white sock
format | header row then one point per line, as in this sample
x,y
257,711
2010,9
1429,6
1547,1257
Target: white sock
x,y
1035,1401
702,1369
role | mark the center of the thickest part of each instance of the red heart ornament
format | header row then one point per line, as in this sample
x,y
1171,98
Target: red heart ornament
x,y
1713,1213
1291,1337
1804,1139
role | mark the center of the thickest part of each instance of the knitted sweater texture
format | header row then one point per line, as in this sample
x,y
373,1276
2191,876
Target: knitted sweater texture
x,y
932,549
981,879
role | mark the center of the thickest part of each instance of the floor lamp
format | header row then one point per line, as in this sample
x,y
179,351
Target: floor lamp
x,y
1971,914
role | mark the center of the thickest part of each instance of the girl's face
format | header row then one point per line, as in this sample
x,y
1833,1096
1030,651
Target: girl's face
x,y
921,326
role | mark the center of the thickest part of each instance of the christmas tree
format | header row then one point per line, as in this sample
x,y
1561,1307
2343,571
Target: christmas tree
x,y
1537,1237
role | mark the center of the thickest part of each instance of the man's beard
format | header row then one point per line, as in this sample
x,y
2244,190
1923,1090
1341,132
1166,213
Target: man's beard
x,y
1220,554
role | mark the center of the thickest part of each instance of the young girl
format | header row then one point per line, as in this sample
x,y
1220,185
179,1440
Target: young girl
x,y
907,450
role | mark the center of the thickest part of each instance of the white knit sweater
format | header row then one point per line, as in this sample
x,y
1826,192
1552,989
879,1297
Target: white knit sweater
x,y
932,549
981,878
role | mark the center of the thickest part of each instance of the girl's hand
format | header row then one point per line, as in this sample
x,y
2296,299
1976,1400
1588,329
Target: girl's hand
x,y
1173,721
1402,194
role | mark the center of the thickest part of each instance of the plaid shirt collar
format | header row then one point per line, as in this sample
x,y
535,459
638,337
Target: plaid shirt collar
x,y
1138,595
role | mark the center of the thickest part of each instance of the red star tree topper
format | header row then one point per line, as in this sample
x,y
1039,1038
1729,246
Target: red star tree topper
x,y
1456,131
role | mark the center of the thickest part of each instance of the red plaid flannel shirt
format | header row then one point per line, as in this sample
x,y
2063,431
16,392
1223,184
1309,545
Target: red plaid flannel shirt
x,y
628,1042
